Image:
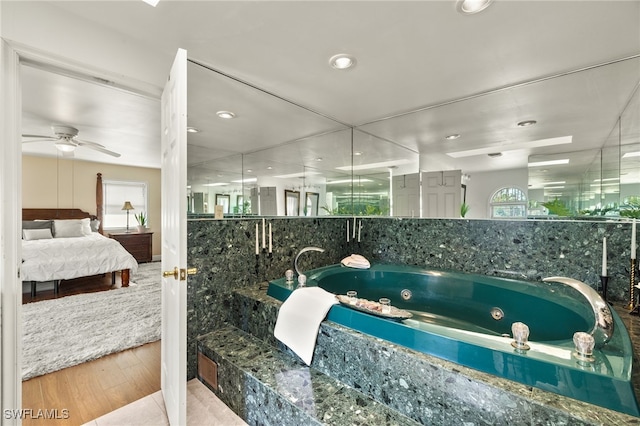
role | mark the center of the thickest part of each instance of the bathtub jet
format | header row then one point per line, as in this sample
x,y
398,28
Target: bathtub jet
x,y
467,319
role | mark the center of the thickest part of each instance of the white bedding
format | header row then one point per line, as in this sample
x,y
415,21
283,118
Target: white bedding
x,y
67,258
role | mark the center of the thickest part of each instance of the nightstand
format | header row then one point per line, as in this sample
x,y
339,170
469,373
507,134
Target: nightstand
x,y
136,243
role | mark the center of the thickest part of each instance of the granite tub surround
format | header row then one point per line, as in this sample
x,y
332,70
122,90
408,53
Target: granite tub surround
x,y
267,387
224,253
425,388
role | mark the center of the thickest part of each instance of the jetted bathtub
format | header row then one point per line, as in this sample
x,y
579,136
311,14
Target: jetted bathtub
x,y
465,318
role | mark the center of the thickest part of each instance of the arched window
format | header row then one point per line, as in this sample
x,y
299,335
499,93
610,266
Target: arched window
x,y
508,202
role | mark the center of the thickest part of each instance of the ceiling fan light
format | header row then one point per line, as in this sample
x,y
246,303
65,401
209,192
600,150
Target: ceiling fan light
x,y
65,146
469,7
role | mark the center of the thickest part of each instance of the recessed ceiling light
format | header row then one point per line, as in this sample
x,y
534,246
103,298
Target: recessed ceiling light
x,y
504,147
192,130
348,181
298,175
595,185
631,154
215,184
269,168
549,163
153,3
249,170
342,61
452,137
319,159
357,153
469,7
527,123
380,165
495,154
226,114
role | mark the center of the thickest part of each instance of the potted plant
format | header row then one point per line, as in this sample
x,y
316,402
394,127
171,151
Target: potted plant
x,y
141,218
464,208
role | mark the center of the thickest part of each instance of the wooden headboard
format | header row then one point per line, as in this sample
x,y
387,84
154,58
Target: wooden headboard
x,y
46,214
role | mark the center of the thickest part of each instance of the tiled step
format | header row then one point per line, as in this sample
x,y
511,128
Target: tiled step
x,y
267,387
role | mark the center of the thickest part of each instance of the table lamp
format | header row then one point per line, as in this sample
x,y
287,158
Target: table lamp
x,y
127,206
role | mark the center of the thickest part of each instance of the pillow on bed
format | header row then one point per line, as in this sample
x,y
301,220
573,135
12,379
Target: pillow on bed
x,y
36,234
68,228
86,226
37,224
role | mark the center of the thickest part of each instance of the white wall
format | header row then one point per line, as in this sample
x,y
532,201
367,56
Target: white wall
x,y
32,24
483,185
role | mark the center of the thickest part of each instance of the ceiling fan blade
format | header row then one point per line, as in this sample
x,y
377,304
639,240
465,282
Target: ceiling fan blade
x,y
42,139
98,147
38,136
83,142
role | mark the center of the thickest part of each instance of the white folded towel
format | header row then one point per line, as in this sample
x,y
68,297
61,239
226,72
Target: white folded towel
x,y
299,319
356,261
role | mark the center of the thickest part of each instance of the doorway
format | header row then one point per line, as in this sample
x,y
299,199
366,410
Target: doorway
x,y
11,185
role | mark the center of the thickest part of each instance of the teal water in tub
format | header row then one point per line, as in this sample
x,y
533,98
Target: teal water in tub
x,y
465,318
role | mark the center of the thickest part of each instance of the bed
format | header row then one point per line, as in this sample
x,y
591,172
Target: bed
x,y
62,244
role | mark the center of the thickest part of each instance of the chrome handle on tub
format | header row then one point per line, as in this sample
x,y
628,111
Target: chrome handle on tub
x,y
603,328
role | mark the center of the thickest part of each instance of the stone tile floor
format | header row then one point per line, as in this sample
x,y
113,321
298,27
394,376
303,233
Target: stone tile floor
x,y
203,408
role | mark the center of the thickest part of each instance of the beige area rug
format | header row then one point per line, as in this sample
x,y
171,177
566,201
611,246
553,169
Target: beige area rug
x,y
63,332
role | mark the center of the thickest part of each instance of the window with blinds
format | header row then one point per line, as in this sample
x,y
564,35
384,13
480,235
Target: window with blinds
x,y
115,194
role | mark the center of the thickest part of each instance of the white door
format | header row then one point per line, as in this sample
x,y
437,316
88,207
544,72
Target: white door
x,y
406,195
441,193
174,242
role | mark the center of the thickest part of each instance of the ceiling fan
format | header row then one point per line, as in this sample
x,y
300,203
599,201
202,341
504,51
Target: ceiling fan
x,y
66,141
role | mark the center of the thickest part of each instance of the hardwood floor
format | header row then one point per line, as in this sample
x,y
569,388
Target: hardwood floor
x,y
44,291
79,394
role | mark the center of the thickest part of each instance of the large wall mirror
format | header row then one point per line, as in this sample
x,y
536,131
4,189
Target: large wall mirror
x,y
581,158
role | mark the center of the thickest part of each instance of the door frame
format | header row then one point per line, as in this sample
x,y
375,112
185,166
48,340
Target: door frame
x,y
13,55
10,248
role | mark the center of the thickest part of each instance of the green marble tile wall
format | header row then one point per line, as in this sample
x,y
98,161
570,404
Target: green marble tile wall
x,y
224,253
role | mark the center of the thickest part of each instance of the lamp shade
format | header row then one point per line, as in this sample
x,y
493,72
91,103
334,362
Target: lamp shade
x,y
127,206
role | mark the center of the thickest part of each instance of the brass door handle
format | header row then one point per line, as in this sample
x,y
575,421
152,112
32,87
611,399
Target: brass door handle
x,y
174,273
180,273
185,272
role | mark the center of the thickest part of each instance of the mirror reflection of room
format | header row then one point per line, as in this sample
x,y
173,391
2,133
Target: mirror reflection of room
x,y
414,165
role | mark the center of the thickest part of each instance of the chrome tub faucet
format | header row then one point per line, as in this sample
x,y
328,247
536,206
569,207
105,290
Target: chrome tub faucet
x,y
306,249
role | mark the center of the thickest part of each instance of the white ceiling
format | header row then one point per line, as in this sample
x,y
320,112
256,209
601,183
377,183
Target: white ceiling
x,y
473,75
